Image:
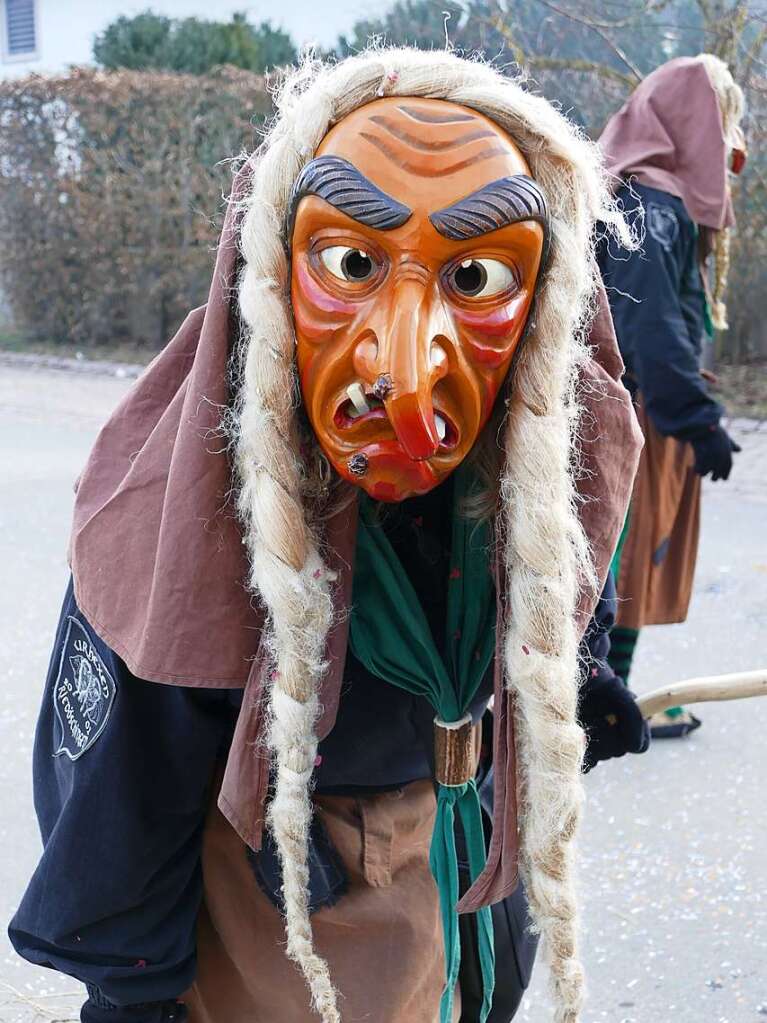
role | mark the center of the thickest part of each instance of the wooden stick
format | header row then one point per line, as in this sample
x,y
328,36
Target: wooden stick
x,y
738,686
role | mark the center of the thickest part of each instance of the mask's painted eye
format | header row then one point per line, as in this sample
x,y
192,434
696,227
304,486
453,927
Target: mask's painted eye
x,y
346,264
480,278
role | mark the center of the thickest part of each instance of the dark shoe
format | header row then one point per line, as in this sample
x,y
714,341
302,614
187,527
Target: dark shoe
x,y
670,725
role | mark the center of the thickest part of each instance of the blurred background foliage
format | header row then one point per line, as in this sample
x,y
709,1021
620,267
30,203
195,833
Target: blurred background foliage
x,y
152,42
111,181
111,187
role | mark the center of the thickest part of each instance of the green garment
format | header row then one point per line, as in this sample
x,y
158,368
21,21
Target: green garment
x,y
708,324
390,635
615,564
623,642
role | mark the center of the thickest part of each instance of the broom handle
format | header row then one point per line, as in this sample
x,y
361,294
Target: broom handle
x,y
737,686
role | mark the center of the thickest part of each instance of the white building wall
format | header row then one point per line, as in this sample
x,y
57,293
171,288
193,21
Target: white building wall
x,y
65,31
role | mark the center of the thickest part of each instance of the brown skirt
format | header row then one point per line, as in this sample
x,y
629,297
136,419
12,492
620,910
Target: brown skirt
x,y
382,939
657,563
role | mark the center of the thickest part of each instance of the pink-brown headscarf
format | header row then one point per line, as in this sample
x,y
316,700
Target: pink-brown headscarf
x,y
669,135
157,552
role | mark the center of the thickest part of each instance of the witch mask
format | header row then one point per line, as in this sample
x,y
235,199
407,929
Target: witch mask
x,y
417,240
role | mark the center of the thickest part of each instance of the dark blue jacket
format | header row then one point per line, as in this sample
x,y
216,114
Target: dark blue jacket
x,y
658,306
122,775
123,770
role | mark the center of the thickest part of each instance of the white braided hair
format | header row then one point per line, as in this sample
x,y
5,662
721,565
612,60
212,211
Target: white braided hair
x,y
732,106
545,551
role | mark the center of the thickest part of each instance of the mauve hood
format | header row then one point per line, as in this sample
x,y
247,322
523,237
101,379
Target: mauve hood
x,y
669,135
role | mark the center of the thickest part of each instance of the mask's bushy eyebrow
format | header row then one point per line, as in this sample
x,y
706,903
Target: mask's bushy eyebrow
x,y
339,183
498,204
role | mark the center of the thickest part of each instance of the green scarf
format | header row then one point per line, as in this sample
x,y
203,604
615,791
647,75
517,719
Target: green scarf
x,y
390,635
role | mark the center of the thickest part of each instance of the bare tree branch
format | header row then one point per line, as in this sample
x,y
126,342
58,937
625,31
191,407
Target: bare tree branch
x,y
600,31
752,52
576,64
590,67
640,14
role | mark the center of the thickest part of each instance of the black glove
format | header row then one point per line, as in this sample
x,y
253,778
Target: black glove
x,y
713,452
609,715
99,1009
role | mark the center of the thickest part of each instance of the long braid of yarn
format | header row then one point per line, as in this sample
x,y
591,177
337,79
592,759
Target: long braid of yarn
x,y
541,649
731,107
721,274
286,568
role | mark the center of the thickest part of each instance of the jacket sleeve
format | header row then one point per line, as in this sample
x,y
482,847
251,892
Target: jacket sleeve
x,y
595,645
653,326
122,776
607,710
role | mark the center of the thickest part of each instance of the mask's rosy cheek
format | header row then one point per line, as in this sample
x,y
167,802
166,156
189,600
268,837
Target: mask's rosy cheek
x,y
317,313
489,337
489,384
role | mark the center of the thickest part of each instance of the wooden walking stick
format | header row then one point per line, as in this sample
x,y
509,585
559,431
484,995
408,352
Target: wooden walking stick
x,y
737,686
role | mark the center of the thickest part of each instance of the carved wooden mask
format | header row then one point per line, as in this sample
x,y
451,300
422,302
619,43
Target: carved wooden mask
x,y
417,240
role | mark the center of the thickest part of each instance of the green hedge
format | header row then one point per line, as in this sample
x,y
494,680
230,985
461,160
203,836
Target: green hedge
x,y
111,188
111,194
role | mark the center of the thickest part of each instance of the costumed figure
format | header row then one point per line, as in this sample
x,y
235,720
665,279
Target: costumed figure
x,y
377,480
672,146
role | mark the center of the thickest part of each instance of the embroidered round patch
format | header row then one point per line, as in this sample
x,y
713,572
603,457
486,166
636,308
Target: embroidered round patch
x,y
83,693
662,224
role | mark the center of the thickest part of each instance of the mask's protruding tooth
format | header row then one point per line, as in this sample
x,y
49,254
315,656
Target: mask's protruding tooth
x,y
357,398
441,425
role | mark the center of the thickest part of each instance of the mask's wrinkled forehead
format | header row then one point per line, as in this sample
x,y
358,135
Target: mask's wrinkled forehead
x,y
391,159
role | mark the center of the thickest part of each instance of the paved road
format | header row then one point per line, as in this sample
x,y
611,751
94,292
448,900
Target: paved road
x,y
673,844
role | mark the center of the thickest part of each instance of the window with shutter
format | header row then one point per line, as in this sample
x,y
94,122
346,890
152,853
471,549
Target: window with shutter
x,y
20,34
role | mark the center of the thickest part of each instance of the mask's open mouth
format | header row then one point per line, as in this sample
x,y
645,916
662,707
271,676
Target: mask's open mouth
x,y
350,413
361,407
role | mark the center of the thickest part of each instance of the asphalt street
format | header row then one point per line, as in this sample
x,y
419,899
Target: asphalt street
x,y
674,844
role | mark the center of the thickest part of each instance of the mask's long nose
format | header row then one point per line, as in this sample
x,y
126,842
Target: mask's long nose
x,y
414,359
